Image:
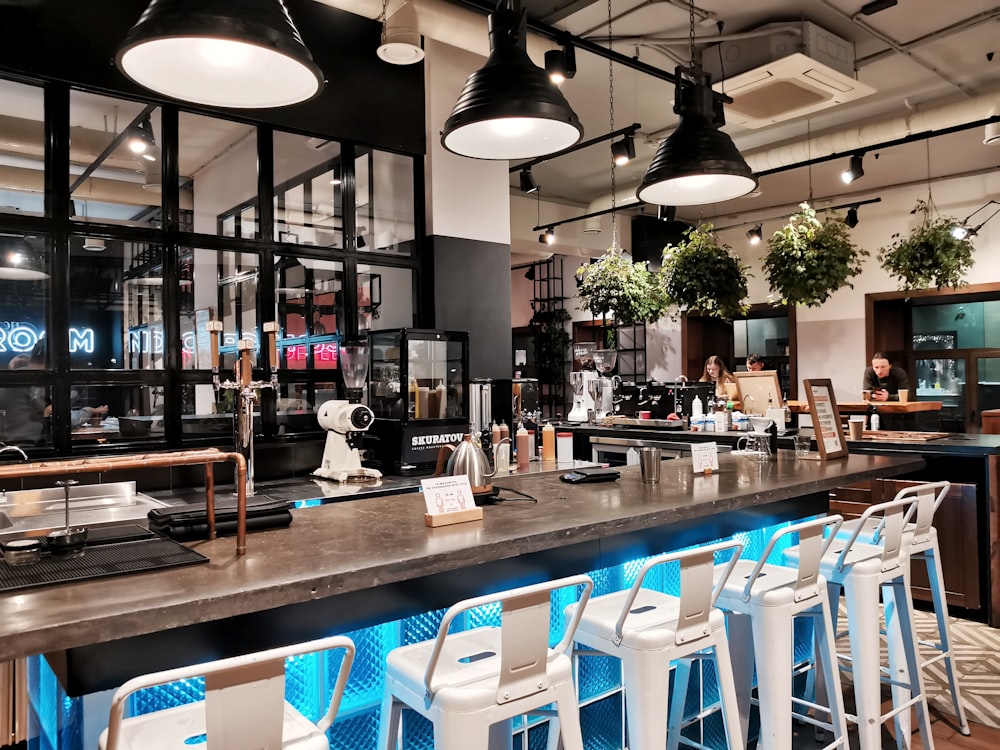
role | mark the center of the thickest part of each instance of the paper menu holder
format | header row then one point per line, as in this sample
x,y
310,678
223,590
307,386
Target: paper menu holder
x,y
449,500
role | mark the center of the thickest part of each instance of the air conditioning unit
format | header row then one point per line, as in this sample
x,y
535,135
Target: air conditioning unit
x,y
779,76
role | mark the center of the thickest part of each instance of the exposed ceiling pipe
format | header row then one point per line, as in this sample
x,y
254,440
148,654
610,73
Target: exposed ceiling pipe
x,y
95,188
955,28
871,134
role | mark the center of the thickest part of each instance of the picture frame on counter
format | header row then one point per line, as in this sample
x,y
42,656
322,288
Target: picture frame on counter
x,y
830,437
758,391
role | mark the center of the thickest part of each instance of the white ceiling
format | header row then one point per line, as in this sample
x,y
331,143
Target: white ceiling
x,y
908,77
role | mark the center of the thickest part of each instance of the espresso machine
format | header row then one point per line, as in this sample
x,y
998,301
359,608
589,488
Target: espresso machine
x,y
580,381
347,421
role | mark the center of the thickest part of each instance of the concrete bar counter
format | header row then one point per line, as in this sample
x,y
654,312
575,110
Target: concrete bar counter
x,y
355,563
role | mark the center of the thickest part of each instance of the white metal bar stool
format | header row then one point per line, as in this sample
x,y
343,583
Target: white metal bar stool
x,y
648,630
762,601
244,706
471,684
862,570
921,537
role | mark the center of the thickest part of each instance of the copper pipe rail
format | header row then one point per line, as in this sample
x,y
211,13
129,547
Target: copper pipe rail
x,y
208,457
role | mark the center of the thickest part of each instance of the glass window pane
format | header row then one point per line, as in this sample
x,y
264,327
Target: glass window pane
x,y
308,206
296,408
384,199
310,311
25,415
944,380
217,285
116,295
22,131
117,186
24,293
217,161
385,297
954,326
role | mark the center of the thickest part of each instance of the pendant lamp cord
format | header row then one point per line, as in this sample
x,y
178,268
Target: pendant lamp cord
x,y
384,17
611,109
691,30
930,196
809,159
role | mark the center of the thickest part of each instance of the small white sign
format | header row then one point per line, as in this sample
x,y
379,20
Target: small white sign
x,y
705,456
447,494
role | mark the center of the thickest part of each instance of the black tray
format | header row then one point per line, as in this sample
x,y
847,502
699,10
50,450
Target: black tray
x,y
100,560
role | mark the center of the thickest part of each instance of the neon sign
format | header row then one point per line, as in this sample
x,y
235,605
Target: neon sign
x,y
20,338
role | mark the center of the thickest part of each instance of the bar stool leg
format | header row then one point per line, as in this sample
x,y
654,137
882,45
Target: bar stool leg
x,y
861,596
742,658
727,693
682,680
898,665
936,578
772,643
829,677
902,611
568,710
388,729
647,682
461,732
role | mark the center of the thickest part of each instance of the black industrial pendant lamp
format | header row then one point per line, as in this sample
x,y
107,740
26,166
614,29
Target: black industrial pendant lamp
x,y
509,108
697,163
220,53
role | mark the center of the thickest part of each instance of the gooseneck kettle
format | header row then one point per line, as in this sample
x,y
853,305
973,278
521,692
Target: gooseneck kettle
x,y
467,458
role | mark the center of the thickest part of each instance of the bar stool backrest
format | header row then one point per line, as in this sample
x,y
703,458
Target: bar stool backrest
x,y
524,637
890,538
244,695
815,538
698,594
929,498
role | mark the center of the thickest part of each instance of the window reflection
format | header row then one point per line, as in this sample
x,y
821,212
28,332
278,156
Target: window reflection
x,y
22,131
310,310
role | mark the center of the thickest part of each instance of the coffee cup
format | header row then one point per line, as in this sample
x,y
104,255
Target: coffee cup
x,y
904,395
856,426
866,395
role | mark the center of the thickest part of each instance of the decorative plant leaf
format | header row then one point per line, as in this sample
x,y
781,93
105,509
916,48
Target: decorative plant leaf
x,y
700,274
808,260
551,344
930,255
613,283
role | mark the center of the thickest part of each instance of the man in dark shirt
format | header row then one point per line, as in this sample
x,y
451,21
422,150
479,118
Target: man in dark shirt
x,y
884,380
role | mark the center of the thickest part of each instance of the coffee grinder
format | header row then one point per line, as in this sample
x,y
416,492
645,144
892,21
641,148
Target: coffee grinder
x,y
347,421
605,361
579,380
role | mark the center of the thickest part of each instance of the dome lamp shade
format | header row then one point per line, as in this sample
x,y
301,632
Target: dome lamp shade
x,y
509,108
223,53
697,163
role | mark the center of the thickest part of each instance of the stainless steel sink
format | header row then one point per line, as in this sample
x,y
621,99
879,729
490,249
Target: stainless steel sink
x,y
89,505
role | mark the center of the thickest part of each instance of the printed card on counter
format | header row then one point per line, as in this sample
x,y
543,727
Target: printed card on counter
x,y
705,457
447,494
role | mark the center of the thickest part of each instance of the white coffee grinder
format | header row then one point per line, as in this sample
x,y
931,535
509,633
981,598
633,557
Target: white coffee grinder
x,y
347,421
579,380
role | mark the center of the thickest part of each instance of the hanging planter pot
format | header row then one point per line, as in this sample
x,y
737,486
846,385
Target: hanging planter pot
x,y
934,253
614,284
808,259
701,275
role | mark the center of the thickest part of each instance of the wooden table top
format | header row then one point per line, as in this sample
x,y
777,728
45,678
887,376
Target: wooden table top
x,y
861,407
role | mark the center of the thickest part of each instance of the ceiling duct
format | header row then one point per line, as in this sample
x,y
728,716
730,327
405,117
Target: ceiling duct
x,y
787,74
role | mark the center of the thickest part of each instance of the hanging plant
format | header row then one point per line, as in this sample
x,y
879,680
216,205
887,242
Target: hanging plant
x,y
614,284
808,259
551,344
930,255
700,274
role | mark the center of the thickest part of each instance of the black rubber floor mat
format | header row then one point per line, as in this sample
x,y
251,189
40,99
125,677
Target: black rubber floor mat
x,y
100,561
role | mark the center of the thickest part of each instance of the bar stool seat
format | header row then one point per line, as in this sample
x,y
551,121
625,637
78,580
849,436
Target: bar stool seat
x,y
649,631
244,706
920,537
762,600
862,571
471,684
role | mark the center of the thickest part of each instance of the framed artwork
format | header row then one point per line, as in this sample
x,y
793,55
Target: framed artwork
x,y
758,391
826,419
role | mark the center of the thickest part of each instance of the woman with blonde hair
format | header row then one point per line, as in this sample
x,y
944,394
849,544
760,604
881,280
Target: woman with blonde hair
x,y
717,372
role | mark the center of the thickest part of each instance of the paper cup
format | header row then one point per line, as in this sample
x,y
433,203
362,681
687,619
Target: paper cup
x,y
904,395
866,395
856,426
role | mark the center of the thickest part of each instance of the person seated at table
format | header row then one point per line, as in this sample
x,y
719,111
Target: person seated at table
x,y
884,379
755,363
717,372
78,415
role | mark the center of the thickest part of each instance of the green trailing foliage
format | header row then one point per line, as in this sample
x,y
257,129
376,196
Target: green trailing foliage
x,y
930,255
614,284
808,259
552,342
702,275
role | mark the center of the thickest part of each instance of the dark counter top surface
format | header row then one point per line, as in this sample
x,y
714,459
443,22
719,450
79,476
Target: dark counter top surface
x,y
969,444
367,543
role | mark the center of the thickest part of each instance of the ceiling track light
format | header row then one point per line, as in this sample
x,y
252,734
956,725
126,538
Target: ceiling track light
x,y
666,213
964,230
528,184
877,6
854,171
141,141
755,234
852,217
400,37
220,53
548,237
509,108
623,151
697,163
560,64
